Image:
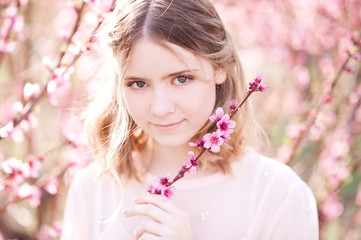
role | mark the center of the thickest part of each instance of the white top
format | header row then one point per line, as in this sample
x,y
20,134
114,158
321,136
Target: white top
x,y
263,200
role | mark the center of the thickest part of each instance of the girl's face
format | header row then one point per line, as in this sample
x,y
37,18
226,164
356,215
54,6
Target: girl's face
x,y
169,92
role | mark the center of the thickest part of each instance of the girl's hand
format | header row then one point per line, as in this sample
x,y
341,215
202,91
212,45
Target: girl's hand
x,y
166,221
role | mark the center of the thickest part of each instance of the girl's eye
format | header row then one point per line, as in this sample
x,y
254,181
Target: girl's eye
x,y
137,84
181,80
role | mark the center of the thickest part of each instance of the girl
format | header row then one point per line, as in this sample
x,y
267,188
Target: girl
x,y
176,64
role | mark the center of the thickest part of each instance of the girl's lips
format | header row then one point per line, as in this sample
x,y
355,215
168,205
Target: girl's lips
x,y
167,126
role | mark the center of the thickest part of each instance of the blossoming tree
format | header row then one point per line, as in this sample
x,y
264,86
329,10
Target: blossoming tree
x,y
308,50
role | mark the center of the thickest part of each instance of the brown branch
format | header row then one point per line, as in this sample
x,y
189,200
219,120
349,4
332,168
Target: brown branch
x,y
31,104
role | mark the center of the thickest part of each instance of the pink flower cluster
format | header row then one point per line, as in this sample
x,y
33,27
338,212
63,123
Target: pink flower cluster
x,y
160,187
210,141
256,84
14,173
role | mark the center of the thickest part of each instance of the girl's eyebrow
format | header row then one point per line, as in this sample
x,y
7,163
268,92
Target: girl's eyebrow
x,y
133,78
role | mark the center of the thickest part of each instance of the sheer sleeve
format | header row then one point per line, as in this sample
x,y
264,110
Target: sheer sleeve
x,y
296,218
76,220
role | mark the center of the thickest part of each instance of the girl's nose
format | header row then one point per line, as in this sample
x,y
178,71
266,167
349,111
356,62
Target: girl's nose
x,y
162,104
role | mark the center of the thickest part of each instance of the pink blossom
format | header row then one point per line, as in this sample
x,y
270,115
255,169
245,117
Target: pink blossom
x,y
332,207
17,107
217,116
16,169
51,185
159,187
4,185
225,126
284,153
256,84
59,85
253,86
73,132
30,91
48,62
167,192
7,130
49,232
233,105
32,193
357,57
34,166
263,88
191,163
199,144
226,138
213,141
327,98
156,187
350,70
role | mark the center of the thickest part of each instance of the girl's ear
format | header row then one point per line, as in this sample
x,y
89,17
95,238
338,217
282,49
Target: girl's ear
x,y
221,75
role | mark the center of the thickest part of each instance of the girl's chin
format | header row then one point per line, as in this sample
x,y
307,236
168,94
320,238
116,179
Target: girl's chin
x,y
172,142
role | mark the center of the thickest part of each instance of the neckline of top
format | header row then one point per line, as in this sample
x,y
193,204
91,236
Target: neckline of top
x,y
206,181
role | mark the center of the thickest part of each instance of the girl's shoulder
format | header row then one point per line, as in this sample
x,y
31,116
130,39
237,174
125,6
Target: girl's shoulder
x,y
90,179
261,166
87,175
269,176
277,197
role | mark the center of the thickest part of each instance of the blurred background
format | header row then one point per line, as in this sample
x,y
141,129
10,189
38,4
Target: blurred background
x,y
307,50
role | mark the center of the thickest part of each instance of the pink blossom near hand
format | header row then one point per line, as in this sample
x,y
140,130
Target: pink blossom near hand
x,y
159,187
158,184
225,126
213,141
217,116
167,192
191,163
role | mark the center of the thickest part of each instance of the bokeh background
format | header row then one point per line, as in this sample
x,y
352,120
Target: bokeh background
x,y
307,50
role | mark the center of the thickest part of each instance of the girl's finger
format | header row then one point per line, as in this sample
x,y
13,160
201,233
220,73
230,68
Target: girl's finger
x,y
158,201
149,236
149,228
154,212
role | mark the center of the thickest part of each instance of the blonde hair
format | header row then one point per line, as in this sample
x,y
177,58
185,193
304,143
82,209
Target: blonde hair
x,y
192,25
